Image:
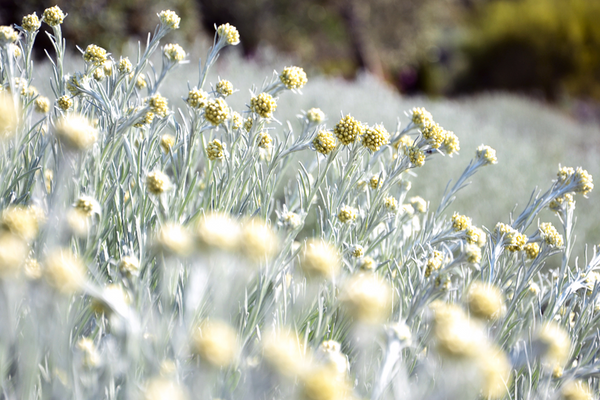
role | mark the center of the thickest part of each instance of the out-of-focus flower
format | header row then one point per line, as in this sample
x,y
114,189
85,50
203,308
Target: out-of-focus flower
x,y
485,301
129,266
167,142
157,182
315,115
174,239
282,352
91,357
164,389
7,35
42,104
8,116
391,204
552,343
87,206
76,132
258,241
319,259
216,343
13,252
367,298
419,204
486,155
64,271
218,231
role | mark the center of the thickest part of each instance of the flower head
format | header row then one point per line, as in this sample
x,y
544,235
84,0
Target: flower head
x,y
553,343
348,130
315,115
418,203
218,231
319,259
367,298
576,390
216,111
264,105
64,271
376,182
164,389
140,82
434,134
129,266
391,204
8,116
485,301
229,33
258,241
42,104
324,142
157,182
451,144
174,239
456,336
579,178
476,236
514,240
460,222
293,77
473,253
551,235
347,214
264,140
197,98
486,155
87,206
64,102
236,120
94,55
434,263
13,253
174,52
375,137
124,66
31,23
216,343
416,155
560,203
167,142
282,352
421,117
53,16
532,250
215,150
169,19
224,88
8,35
76,132
159,105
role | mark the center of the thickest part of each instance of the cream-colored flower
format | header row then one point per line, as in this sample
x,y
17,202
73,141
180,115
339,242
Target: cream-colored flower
x,y
197,98
174,239
7,35
91,357
76,132
53,16
8,116
216,111
216,343
164,389
258,241
224,88
167,142
347,214
367,298
95,55
42,104
319,259
88,206
215,150
218,231
64,271
229,33
159,105
324,142
157,182
31,23
485,301
129,266
283,353
174,52
486,154
169,19
315,115
553,342
293,77
124,67
21,221
348,129
13,252
264,105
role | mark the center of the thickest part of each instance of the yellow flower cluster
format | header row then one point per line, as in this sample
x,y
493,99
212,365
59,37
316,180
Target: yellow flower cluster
x,y
451,144
159,105
22,222
197,98
367,298
53,16
558,203
94,55
416,155
129,266
170,19
140,82
146,120
31,23
486,154
319,259
348,129
555,343
224,88
293,77
229,33
375,182
460,222
434,134
419,204
347,214
64,102
216,343
514,240
324,142
236,120
87,206
375,137
76,132
264,105
264,140
473,253
476,236
174,52
157,182
215,150
7,35
580,177
42,104
166,142
421,117
391,204
124,66
357,251
367,264
485,301
532,250
551,235
434,263
216,111
315,115
64,271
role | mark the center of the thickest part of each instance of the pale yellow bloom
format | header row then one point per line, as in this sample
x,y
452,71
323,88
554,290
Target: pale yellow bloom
x,y
164,389
53,16
264,105
76,132
224,88
95,55
324,142
216,343
64,271
348,129
375,137
174,52
216,111
319,259
169,19
157,182
31,23
229,33
485,301
293,77
367,298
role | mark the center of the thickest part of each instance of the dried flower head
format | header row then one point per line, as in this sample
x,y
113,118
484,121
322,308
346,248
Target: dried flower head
x,y
486,155
460,222
391,204
576,390
357,251
224,88
42,104
216,343
434,134
375,137
367,298
264,140
129,266
324,142
157,182
532,250
174,52
367,264
124,67
290,220
434,262
218,231
420,116
347,214
7,35
485,301
95,55
107,67
216,111
169,19
293,77
348,129
140,81
146,120
562,202
553,343
197,98
76,132
215,150
64,102
53,16
324,384
112,298
167,142
496,371
319,259
64,271
315,115
264,105
376,182
550,235
514,240
236,120
456,336
229,33
282,352
13,252
416,155
159,105
32,269
31,23
579,178
451,144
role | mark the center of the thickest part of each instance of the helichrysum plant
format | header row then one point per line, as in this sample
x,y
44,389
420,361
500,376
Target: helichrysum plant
x,y
149,252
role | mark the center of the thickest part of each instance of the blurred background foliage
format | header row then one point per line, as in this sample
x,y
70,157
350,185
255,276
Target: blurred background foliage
x,y
546,48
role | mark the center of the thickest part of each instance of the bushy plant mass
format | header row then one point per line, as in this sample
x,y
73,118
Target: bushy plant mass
x,y
154,253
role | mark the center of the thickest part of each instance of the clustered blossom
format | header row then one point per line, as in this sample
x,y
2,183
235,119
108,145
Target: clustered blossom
x,y
224,88
485,301
264,140
473,253
366,298
197,98
264,105
434,263
550,235
315,115
31,23
451,144
460,222
95,55
319,259
579,178
434,134
166,142
64,102
324,142
347,214
159,105
375,137
418,203
514,240
421,117
76,132
124,66
87,206
559,203
376,182
7,35
391,204
42,104
174,52
229,33
486,155
169,19
215,150
532,250
216,111
348,130
416,155
475,235
157,182
53,16
236,120
293,77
